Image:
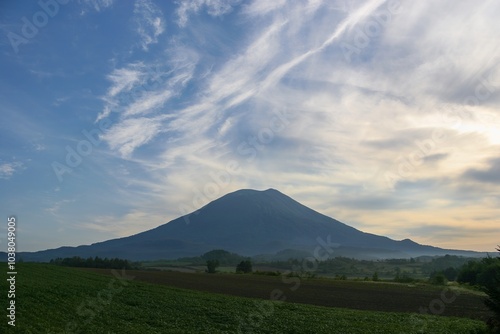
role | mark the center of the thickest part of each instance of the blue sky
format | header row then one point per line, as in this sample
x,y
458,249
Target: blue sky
x,y
118,116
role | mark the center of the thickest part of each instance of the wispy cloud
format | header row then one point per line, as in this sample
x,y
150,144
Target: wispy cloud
x,y
131,133
213,7
286,104
263,7
147,103
10,168
97,5
150,22
141,89
351,107
123,81
55,208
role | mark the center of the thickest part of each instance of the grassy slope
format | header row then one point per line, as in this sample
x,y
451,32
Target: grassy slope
x,y
63,300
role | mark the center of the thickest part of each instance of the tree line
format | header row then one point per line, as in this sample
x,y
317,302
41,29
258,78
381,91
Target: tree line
x,y
486,275
244,267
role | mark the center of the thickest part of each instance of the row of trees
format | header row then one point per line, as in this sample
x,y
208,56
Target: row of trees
x,y
482,273
486,274
93,262
224,257
448,263
244,266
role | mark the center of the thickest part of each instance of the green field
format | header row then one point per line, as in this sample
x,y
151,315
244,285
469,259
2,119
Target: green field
x,y
52,299
361,295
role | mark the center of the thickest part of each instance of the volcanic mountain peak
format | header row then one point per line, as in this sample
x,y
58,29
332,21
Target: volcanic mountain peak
x,y
248,222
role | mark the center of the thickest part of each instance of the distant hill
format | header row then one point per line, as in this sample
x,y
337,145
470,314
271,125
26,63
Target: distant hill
x,y
249,222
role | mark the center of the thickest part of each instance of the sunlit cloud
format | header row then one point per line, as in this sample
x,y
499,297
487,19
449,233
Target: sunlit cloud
x,y
356,125
132,133
382,114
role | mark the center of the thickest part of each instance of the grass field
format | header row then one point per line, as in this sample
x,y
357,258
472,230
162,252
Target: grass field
x,y
51,299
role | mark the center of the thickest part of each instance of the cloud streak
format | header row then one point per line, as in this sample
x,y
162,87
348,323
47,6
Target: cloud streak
x,y
150,22
97,5
8,169
214,8
405,127
490,175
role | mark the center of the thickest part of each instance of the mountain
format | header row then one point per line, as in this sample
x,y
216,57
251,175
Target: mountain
x,y
248,222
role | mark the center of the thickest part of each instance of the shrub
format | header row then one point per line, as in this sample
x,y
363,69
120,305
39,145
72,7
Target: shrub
x,y
438,279
244,267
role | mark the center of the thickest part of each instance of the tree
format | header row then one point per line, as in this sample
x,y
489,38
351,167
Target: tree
x,y
212,265
450,273
493,301
438,278
375,277
244,267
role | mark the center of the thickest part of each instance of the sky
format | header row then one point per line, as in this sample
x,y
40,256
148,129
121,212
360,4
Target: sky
x,y
119,116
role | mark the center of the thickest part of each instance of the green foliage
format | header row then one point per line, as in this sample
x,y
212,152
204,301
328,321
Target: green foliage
x,y
244,267
481,273
386,269
224,257
443,262
375,277
493,301
92,262
469,271
356,268
485,274
438,278
397,261
403,278
267,273
212,265
216,254
450,273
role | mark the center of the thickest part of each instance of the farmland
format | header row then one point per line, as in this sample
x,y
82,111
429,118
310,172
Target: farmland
x,y
325,292
53,299
419,268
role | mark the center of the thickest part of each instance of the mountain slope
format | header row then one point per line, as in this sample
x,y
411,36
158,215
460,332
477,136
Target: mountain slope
x,y
247,222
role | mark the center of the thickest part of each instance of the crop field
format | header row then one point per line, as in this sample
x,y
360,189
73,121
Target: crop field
x,y
52,299
375,296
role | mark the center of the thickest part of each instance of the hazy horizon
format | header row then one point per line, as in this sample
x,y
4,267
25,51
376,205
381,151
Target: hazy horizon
x,y
118,117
